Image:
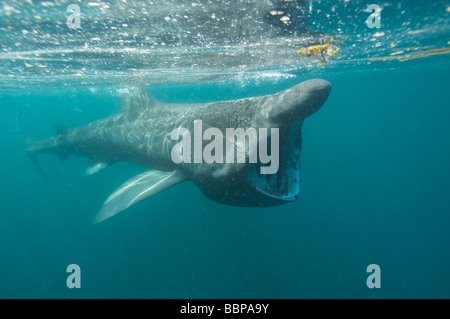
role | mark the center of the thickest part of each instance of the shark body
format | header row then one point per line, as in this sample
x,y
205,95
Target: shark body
x,y
141,134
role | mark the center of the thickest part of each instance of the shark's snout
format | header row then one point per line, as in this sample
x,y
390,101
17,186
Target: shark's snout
x,y
318,86
294,104
306,98
313,94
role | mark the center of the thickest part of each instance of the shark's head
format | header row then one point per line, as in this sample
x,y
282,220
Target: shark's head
x,y
276,180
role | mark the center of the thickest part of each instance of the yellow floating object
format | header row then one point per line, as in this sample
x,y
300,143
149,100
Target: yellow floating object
x,y
326,50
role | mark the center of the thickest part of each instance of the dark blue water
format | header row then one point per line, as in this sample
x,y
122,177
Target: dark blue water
x,y
376,185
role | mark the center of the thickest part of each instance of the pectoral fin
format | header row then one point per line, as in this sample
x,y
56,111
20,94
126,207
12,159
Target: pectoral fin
x,y
136,189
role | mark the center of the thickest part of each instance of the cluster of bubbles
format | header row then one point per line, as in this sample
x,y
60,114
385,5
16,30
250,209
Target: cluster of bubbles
x,y
69,42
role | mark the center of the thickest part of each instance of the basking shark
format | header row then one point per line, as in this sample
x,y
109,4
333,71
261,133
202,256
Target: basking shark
x,y
141,134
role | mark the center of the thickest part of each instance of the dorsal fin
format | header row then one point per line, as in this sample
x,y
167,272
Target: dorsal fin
x,y
137,99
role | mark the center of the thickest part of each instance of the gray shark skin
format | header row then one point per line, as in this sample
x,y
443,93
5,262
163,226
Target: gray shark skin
x,y
141,134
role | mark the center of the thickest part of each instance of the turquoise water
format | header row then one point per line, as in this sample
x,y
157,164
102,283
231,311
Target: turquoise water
x,y
376,185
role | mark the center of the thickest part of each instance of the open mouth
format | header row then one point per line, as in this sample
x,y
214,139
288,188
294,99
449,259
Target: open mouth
x,y
285,184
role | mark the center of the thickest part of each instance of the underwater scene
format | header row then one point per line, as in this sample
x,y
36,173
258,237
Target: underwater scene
x,y
203,149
